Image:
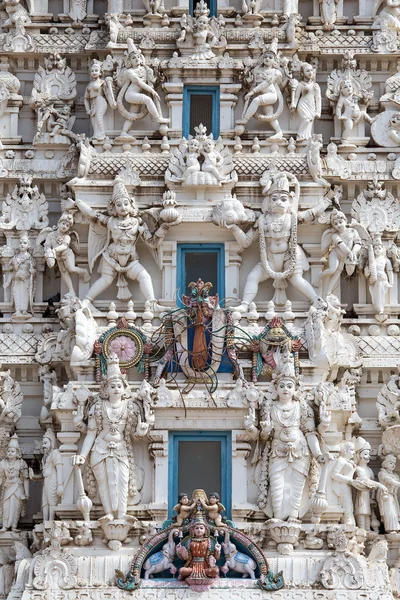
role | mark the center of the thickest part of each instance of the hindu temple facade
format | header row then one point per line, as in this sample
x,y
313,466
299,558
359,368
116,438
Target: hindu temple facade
x,y
199,307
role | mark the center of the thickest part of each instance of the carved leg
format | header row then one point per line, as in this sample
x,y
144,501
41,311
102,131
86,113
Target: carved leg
x,y
256,276
99,286
303,286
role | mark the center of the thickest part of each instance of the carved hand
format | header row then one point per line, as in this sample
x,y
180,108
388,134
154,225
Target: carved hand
x,y
60,491
69,204
77,460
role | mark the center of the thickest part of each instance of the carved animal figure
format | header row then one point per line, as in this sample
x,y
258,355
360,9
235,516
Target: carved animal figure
x,y
237,561
162,560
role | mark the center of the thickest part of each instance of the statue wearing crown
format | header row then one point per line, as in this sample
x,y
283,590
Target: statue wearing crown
x,y
287,426
114,237
136,81
110,425
200,551
282,259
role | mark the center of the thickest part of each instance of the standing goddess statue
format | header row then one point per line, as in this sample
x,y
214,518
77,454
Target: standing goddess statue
x,y
22,279
113,422
98,96
306,100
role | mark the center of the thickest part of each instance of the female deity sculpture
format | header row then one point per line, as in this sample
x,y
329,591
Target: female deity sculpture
x,y
99,95
22,274
14,482
114,237
282,259
365,498
379,273
389,502
200,551
61,244
348,110
114,421
269,82
136,82
287,425
52,475
306,100
342,245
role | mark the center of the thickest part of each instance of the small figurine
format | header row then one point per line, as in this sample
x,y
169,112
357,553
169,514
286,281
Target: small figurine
x,y
98,97
14,480
212,159
22,275
183,508
365,499
348,110
341,244
306,100
214,509
389,502
61,121
379,272
52,475
60,245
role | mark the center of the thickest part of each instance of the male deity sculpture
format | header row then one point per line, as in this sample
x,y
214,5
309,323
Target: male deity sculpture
x,y
52,475
114,420
282,259
22,279
14,482
136,81
114,236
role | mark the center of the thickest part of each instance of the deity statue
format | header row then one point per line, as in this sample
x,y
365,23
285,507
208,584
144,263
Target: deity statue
x,y
348,110
201,33
282,259
99,95
14,481
214,509
306,100
25,208
11,399
389,17
328,10
268,81
341,245
379,273
17,14
52,475
136,81
376,209
365,499
389,502
287,425
53,94
200,551
22,278
61,244
113,237
347,89
114,420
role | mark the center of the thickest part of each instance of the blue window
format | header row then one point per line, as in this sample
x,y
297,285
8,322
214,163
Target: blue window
x,y
212,5
200,105
206,261
200,459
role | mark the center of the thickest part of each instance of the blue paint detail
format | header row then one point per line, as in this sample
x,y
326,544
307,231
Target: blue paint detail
x,y
212,5
219,286
191,90
241,558
156,558
225,438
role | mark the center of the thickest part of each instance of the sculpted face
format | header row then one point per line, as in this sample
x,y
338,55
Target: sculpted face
x,y
185,500
389,463
208,145
349,450
23,244
213,500
95,71
280,202
115,389
12,453
286,390
46,446
268,60
199,530
63,226
123,207
308,71
339,222
193,145
347,88
366,455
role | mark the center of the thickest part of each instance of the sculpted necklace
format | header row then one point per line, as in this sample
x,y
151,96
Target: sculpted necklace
x,y
116,417
289,415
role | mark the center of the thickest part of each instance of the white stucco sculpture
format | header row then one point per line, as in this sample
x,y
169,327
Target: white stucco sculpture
x,y
22,279
25,208
305,100
99,95
52,475
14,482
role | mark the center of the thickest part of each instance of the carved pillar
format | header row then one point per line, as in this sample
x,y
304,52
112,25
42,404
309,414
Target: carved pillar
x,y
241,450
174,100
228,101
158,450
314,258
233,260
167,264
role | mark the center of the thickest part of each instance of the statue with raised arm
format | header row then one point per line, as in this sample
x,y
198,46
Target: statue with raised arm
x,y
114,421
136,81
114,236
282,259
267,82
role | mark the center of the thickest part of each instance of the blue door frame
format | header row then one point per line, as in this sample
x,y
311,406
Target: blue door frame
x,y
191,90
219,287
225,437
